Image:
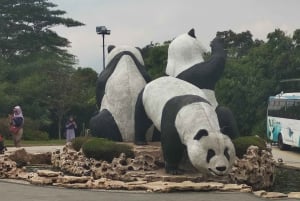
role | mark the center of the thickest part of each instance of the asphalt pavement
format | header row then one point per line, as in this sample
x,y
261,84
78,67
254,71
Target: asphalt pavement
x,y
290,158
17,192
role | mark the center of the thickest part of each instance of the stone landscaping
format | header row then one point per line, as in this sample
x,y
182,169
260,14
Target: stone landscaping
x,y
252,173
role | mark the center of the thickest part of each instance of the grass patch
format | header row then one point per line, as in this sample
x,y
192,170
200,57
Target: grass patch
x,y
103,149
29,143
241,144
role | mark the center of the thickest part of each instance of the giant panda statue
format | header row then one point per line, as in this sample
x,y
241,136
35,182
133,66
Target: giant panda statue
x,y
185,61
188,122
117,89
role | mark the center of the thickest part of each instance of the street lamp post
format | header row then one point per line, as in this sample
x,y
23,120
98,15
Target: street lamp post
x,y
102,30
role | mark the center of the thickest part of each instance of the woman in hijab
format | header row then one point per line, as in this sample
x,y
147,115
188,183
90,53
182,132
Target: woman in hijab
x,y
16,125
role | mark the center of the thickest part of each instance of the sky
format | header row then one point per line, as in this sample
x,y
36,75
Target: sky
x,y
139,22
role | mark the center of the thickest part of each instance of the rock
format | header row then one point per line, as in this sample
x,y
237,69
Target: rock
x,y
73,185
40,158
294,195
40,180
259,193
8,168
48,173
256,169
274,195
20,156
182,186
72,179
236,187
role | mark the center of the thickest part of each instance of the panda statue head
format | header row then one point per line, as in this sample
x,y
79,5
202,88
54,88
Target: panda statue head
x,y
211,152
184,51
113,51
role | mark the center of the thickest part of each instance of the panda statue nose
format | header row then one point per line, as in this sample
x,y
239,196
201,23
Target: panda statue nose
x,y
221,168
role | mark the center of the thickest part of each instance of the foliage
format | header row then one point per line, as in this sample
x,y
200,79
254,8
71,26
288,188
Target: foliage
x,y
31,130
249,80
26,28
4,127
155,57
36,71
103,149
36,135
78,142
241,144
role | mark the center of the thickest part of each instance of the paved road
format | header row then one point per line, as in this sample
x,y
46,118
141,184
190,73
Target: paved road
x,y
290,157
36,149
17,192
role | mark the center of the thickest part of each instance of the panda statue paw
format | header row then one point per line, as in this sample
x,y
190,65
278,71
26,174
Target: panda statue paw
x,y
140,143
173,170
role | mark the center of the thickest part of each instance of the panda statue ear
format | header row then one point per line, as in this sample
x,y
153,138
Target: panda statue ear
x,y
201,133
139,49
110,48
225,130
192,33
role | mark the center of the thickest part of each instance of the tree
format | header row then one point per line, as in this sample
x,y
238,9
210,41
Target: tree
x,y
156,57
34,62
237,44
26,28
249,80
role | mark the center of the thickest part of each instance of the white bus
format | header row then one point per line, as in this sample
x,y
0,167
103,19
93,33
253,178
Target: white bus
x,y
283,120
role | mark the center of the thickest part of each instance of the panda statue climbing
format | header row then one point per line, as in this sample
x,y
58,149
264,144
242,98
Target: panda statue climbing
x,y
117,89
188,123
185,61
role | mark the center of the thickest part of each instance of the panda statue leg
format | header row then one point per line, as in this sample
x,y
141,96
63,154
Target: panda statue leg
x,y
156,135
103,125
227,122
142,122
173,151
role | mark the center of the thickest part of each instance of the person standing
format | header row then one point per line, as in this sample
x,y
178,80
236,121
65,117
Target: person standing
x,y
71,126
16,125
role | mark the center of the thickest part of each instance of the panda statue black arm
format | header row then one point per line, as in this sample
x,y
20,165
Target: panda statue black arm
x,y
205,74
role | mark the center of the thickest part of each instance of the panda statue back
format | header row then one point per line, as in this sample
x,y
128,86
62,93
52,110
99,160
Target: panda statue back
x,y
117,89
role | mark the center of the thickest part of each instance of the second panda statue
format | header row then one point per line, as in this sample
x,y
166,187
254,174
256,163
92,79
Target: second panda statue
x,y
185,62
187,121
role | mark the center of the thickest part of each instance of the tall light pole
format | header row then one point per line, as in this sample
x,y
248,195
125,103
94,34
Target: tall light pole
x,y
102,30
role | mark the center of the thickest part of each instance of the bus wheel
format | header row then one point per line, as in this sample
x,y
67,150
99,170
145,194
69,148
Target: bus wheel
x,y
281,145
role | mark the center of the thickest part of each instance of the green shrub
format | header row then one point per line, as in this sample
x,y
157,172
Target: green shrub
x,y
4,127
103,149
37,135
78,142
241,144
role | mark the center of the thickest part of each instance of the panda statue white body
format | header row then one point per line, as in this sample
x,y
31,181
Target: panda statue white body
x,y
185,62
118,86
185,118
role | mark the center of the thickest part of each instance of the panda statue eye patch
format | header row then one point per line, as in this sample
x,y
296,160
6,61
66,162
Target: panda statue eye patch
x,y
226,154
210,153
201,133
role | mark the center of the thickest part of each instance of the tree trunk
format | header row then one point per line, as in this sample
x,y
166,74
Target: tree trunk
x,y
59,127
